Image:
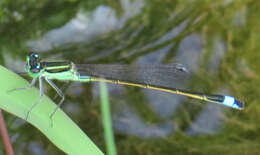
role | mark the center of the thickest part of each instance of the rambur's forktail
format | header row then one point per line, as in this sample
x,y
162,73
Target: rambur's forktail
x,y
155,77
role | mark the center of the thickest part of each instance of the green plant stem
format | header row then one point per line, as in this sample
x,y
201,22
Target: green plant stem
x,y
109,137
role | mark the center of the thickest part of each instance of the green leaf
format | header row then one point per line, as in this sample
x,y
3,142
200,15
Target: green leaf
x,y
64,133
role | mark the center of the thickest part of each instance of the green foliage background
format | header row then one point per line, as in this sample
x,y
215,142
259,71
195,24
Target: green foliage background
x,y
234,22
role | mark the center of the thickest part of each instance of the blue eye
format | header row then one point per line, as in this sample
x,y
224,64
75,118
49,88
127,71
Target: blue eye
x,y
38,67
36,55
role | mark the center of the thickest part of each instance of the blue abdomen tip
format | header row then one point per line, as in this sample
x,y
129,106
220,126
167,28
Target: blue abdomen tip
x,y
232,102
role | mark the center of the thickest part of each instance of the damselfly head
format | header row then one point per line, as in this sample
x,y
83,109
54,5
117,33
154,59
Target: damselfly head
x,y
33,65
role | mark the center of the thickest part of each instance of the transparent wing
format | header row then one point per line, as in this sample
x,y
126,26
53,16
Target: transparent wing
x,y
171,75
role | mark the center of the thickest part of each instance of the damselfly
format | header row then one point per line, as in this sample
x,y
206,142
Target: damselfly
x,y
155,77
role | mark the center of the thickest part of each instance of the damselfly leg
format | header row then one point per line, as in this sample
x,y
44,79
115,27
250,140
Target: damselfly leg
x,y
41,87
24,88
59,93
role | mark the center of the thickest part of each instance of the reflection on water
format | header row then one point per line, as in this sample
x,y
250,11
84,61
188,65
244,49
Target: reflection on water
x,y
141,32
208,121
128,122
87,26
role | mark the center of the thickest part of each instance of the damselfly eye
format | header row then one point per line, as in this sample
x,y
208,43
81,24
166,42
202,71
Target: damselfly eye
x,y
33,55
36,55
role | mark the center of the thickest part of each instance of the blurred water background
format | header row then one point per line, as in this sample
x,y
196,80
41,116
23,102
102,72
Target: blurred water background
x,y
217,41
